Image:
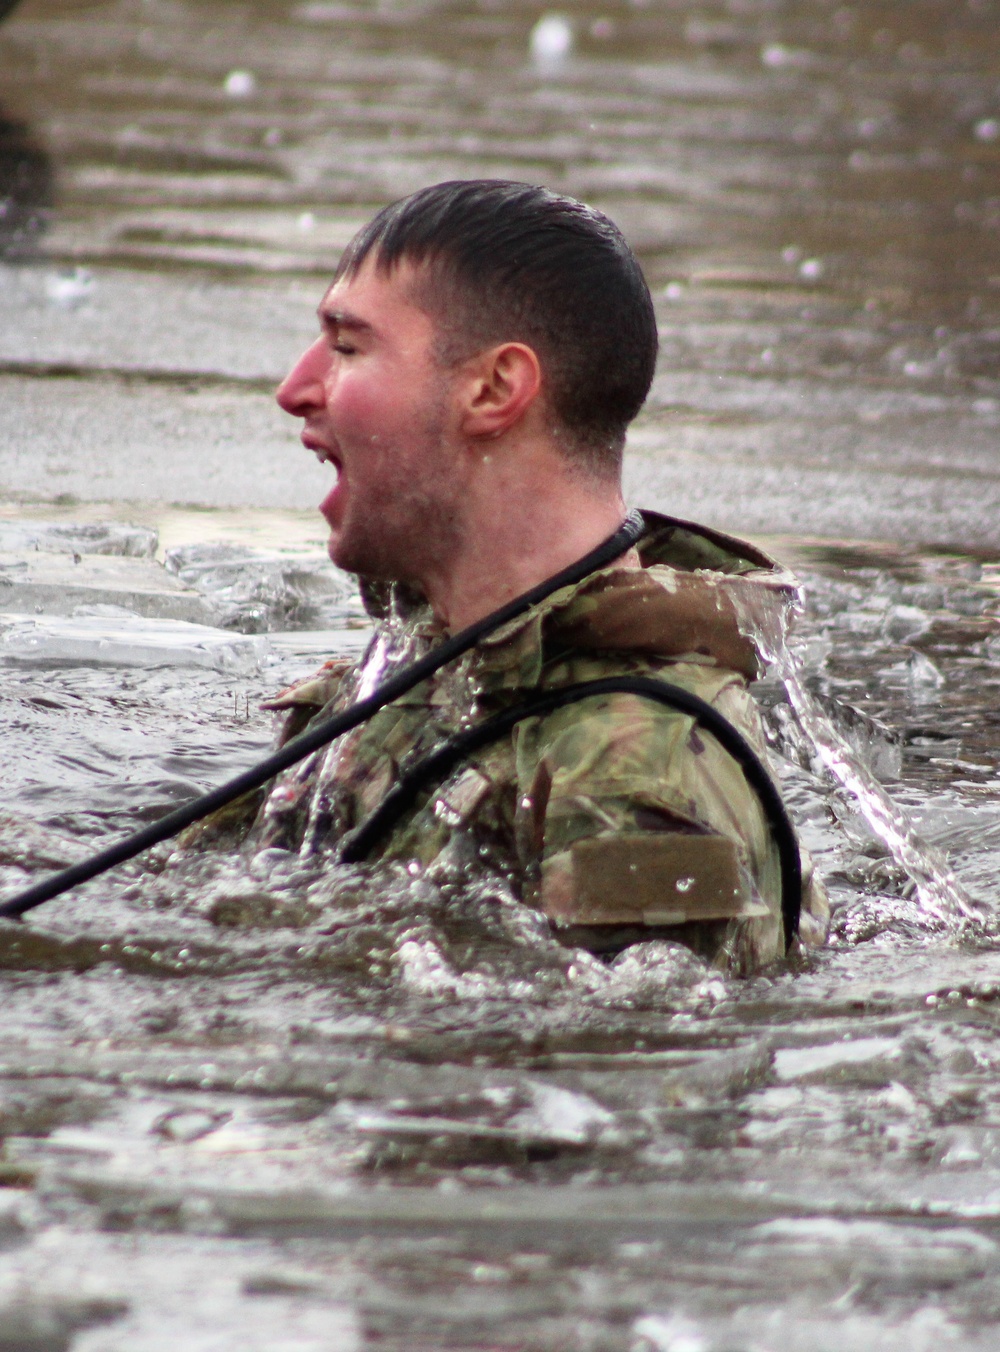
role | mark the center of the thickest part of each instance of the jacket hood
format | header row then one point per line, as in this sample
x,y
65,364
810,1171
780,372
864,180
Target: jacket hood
x,y
698,592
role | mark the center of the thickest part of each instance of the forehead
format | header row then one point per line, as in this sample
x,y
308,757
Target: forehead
x,y
382,301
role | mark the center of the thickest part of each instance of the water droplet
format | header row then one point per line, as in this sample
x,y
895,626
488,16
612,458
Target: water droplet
x,y
551,40
70,286
776,56
240,84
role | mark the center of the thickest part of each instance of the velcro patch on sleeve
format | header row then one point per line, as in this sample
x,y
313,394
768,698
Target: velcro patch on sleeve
x,y
457,802
655,878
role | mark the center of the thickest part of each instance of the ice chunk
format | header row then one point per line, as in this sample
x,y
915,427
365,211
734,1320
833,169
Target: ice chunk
x,y
124,641
876,745
256,591
101,611
903,624
57,584
667,1333
794,1063
925,679
79,537
564,1115
905,1254
69,287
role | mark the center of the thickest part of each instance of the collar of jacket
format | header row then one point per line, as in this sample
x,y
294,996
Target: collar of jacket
x,y
698,593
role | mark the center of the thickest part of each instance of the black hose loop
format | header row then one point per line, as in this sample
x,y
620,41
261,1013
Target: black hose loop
x,y
321,734
435,767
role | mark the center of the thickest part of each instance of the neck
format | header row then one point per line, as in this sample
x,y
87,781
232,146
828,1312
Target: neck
x,y
517,534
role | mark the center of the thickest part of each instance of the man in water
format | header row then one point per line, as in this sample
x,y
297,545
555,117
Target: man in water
x,y
484,346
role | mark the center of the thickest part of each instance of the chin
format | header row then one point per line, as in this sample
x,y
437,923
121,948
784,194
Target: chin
x,y
347,556
370,552
340,546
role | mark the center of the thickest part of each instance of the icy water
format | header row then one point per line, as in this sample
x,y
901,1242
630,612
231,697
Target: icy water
x,y
250,1106
257,1104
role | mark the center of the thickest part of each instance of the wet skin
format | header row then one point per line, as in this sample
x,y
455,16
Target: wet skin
x,y
456,478
378,407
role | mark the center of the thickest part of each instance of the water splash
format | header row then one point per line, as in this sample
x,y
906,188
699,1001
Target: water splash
x,y
551,41
939,893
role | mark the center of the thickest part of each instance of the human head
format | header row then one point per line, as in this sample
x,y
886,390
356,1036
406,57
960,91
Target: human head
x,y
501,261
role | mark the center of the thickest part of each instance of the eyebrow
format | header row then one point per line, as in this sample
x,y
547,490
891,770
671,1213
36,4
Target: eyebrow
x,y
334,318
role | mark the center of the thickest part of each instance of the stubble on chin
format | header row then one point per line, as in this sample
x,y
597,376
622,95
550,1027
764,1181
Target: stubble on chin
x,y
411,525
403,539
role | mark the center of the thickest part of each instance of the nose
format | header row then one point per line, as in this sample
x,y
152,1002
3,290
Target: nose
x,y
303,389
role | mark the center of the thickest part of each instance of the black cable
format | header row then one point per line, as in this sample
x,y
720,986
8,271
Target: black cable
x,y
319,736
433,768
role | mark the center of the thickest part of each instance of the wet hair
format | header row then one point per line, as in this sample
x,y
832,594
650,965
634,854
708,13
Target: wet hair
x,y
508,262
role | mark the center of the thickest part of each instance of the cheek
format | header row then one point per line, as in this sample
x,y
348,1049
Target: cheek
x,y
348,406
369,407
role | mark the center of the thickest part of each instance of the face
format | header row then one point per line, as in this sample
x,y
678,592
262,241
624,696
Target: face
x,y
378,409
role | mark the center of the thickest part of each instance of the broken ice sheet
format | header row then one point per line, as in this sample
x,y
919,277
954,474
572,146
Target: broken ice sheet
x,y
255,591
124,641
547,1116
78,537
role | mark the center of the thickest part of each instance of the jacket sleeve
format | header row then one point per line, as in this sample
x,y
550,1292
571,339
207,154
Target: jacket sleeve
x,y
301,702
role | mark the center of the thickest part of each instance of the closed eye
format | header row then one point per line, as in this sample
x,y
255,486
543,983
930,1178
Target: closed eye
x,y
339,325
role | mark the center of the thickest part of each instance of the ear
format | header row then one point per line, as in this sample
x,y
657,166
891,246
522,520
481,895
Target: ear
x,y
502,383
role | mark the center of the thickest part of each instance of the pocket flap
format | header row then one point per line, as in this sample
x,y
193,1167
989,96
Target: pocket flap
x,y
656,879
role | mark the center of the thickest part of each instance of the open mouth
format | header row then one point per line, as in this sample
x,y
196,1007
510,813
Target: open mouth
x,y
324,454
332,506
326,457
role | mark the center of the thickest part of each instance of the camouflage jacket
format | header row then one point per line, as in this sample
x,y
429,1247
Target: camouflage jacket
x,y
616,816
